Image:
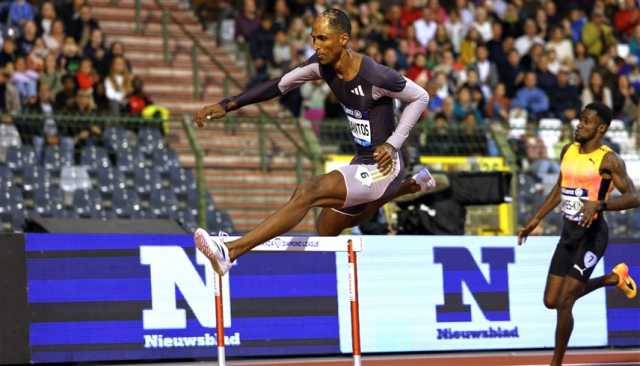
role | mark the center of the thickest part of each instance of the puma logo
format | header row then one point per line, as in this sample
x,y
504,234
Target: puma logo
x,y
581,270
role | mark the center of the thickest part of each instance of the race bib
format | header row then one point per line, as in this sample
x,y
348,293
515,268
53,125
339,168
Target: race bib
x,y
571,202
360,125
361,131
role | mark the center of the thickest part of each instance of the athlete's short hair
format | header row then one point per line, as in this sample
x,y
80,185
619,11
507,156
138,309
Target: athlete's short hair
x,y
338,20
602,110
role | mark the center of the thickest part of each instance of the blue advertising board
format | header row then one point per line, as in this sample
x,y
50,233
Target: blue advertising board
x,y
437,293
118,297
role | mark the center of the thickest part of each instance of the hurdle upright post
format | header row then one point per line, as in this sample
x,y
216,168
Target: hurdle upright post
x,y
219,319
355,312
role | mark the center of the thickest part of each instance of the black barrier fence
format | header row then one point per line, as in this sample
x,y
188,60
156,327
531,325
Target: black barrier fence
x,y
14,310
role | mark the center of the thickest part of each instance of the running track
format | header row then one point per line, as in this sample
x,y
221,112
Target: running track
x,y
574,358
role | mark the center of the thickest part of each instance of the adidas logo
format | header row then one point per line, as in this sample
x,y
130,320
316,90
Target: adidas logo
x,y
358,91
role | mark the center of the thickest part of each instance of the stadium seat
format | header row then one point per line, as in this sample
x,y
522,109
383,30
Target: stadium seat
x,y
166,160
126,204
87,203
150,140
163,204
109,179
94,157
55,158
35,177
130,159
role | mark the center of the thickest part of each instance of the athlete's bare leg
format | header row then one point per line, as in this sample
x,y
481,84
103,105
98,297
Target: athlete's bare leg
x,y
572,289
331,222
327,190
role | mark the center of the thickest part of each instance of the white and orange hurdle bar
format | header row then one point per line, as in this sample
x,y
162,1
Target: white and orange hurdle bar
x,y
349,244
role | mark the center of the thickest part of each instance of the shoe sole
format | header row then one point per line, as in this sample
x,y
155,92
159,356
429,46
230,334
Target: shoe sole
x,y
203,247
625,279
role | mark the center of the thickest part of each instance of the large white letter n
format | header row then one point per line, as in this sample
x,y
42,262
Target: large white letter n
x,y
169,268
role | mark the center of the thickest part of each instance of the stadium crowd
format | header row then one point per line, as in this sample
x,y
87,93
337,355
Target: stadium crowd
x,y
487,61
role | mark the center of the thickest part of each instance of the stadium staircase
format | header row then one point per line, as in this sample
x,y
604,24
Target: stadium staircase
x,y
232,153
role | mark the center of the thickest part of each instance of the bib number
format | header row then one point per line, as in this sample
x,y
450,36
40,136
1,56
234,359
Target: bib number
x,y
361,131
571,202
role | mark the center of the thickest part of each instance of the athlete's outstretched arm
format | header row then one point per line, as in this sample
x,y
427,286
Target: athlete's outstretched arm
x,y
552,200
629,198
310,70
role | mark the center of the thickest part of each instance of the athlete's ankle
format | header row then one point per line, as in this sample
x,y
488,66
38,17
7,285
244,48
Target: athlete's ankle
x,y
612,279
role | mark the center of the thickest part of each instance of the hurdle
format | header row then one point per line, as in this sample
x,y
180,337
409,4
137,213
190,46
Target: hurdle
x,y
349,244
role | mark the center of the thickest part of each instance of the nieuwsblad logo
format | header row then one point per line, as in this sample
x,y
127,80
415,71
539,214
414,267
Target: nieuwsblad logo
x,y
170,270
491,293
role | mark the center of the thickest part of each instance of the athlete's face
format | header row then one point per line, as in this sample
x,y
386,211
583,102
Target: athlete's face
x,y
589,127
327,42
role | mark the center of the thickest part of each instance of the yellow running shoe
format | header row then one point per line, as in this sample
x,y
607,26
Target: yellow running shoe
x,y
625,282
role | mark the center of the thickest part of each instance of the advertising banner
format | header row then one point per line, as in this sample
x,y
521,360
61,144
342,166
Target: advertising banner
x,y
623,315
119,297
420,293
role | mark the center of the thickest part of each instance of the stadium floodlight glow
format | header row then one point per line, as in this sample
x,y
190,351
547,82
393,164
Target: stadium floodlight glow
x,y
349,244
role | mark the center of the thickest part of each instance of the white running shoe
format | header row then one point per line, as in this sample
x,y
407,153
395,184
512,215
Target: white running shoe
x,y
424,180
214,249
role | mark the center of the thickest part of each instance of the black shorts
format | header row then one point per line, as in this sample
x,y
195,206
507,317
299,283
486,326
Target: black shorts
x,y
579,249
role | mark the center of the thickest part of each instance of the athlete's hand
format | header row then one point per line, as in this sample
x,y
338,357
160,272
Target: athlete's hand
x,y
588,211
208,113
525,231
383,155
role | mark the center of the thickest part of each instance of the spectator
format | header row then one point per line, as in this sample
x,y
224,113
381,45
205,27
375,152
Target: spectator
x,y
634,44
536,150
55,39
547,81
281,53
27,40
45,18
597,35
566,137
413,46
466,12
433,55
497,54
248,21
418,68
566,100
394,26
596,90
390,58
118,85
439,139
262,41
116,50
66,98
425,27
25,80
464,105
487,70
584,63
86,76
71,13
51,75
455,29
43,105
448,109
625,101
9,97
468,47
626,18
69,59
577,22
281,15
442,38
90,133
511,74
100,98
8,54
82,27
497,108
440,12
96,51
314,95
137,100
482,24
562,46
298,40
531,98
21,11
529,38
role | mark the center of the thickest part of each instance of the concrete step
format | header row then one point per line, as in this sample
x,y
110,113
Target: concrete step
x,y
148,28
184,58
221,161
182,107
172,4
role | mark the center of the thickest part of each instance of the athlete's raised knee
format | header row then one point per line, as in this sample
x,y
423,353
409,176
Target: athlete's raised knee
x,y
550,303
